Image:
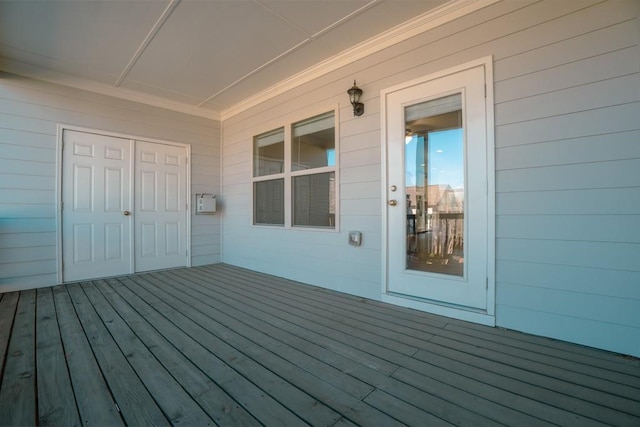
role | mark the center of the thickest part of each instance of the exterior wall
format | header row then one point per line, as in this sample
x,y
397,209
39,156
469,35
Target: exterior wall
x,y
30,111
567,155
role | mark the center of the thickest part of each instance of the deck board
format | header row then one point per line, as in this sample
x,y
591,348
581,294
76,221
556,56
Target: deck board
x,y
8,305
174,402
18,389
56,400
131,397
264,405
213,400
84,371
221,345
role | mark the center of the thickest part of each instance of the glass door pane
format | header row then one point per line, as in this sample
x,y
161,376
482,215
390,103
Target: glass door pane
x,y
435,186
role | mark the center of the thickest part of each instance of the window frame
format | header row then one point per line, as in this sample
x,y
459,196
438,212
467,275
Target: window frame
x,y
288,174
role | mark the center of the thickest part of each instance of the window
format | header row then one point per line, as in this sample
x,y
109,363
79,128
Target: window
x,y
294,174
268,161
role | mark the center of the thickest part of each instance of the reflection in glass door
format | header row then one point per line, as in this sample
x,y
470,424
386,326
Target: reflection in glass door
x,y
435,186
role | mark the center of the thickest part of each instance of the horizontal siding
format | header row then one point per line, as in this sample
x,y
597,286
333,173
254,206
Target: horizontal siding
x,y
567,190
571,227
30,111
593,333
587,280
568,194
585,149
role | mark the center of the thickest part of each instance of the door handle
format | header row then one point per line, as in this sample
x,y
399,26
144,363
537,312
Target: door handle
x,y
126,213
393,202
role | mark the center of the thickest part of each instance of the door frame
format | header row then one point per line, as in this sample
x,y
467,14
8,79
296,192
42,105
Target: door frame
x,y
58,208
486,317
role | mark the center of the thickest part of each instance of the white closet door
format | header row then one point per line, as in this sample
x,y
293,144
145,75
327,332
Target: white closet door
x,y
161,206
96,220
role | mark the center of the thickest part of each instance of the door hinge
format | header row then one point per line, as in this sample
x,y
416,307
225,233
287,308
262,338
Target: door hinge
x,y
485,90
487,283
187,251
61,206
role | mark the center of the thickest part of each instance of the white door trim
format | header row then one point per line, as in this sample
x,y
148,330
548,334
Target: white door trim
x,y
478,316
59,144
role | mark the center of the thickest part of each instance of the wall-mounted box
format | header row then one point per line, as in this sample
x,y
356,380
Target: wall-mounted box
x,y
205,204
355,238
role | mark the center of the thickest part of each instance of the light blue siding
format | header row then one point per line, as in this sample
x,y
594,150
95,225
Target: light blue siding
x,y
30,112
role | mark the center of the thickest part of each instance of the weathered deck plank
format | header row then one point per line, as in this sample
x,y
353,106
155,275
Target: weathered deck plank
x,y
264,406
482,407
94,400
56,401
227,346
528,361
174,402
436,400
164,343
326,394
133,399
18,389
8,305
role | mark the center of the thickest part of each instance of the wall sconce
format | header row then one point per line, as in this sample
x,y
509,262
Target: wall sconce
x,y
354,97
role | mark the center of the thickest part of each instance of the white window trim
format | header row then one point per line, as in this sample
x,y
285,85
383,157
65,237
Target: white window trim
x,y
287,122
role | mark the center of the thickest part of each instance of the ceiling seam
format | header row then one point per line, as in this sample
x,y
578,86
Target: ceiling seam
x,y
310,38
288,21
448,11
147,40
346,18
251,73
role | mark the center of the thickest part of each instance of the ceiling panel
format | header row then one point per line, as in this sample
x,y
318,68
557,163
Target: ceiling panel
x,y
314,16
379,18
91,39
206,56
205,46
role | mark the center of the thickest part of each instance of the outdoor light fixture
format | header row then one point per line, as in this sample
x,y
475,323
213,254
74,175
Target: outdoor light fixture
x,y
354,97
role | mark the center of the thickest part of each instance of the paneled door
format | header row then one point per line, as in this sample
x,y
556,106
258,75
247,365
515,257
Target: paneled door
x,y
161,206
124,206
437,196
96,206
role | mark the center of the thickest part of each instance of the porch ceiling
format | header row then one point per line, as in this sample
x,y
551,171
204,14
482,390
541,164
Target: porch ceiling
x,y
204,56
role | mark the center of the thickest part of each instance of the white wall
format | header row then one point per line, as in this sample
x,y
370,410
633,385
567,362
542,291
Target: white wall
x,y
30,111
567,161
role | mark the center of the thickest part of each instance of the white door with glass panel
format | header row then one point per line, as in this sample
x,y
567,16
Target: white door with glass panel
x,y
108,229
437,195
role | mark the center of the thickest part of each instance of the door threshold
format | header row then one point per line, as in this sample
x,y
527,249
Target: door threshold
x,y
468,314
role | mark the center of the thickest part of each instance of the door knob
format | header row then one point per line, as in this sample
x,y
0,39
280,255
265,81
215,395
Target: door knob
x,y
393,202
126,213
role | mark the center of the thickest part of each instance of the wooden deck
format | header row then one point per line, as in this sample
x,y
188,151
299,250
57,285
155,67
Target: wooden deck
x,y
219,345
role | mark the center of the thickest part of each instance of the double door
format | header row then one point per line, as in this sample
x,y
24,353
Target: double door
x,y
124,206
